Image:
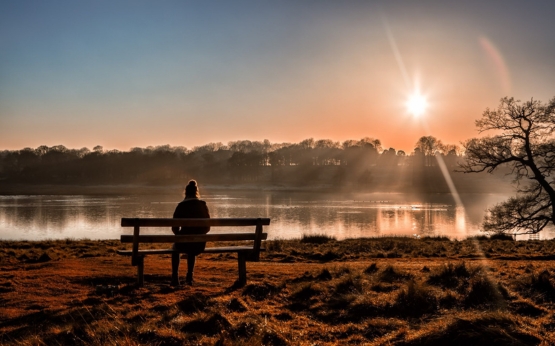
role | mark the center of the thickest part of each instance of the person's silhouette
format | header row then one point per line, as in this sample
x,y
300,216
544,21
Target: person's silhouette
x,y
191,207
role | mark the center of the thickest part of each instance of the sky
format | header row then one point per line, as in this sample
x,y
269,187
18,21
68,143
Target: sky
x,y
125,74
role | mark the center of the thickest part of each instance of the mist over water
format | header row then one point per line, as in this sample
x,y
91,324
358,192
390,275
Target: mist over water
x,y
292,214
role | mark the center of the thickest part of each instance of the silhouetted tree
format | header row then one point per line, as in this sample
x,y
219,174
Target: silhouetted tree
x,y
524,141
428,146
388,157
327,152
371,143
451,153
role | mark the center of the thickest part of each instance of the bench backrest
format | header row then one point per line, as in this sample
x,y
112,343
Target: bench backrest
x,y
215,222
137,223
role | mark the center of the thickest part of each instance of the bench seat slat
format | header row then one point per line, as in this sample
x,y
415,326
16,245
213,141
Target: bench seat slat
x,y
215,222
222,249
145,252
229,249
153,238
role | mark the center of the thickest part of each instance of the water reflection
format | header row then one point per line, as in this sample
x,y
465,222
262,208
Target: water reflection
x,y
292,214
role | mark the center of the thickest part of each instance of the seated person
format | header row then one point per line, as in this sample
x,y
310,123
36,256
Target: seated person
x,y
191,207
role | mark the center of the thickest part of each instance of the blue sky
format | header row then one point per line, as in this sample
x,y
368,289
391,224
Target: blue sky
x,y
138,73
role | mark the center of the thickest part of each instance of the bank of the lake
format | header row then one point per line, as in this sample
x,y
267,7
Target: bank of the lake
x,y
397,291
382,182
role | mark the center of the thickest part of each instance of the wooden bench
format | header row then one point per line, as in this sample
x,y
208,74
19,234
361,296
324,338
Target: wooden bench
x,y
250,252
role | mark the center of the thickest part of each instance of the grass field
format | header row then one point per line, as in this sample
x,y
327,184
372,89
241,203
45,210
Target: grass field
x,y
311,291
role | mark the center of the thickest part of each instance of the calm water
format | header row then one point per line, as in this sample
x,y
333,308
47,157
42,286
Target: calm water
x,y
292,214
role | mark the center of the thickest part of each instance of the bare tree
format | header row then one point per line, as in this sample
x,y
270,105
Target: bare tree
x,y
524,141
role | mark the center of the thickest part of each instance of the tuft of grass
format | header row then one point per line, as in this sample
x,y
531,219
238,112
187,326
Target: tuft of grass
x,y
275,245
261,291
371,269
482,330
415,301
305,292
317,238
244,330
237,305
349,284
527,308
271,337
324,275
326,257
449,275
378,327
341,271
539,286
436,238
209,325
449,300
365,308
194,303
383,288
501,236
485,293
478,237
250,331
391,274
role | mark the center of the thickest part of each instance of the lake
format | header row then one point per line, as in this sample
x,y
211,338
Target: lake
x,y
293,214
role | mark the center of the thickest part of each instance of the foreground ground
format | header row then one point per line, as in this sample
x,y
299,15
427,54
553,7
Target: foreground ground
x,y
390,291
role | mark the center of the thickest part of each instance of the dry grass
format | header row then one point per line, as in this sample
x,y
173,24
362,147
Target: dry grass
x,y
390,291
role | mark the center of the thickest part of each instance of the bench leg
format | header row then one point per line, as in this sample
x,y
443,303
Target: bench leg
x,y
140,270
242,259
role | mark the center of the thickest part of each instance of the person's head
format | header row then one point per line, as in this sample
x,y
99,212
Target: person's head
x,y
191,190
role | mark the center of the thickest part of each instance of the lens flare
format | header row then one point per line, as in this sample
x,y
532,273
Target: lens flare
x,y
498,62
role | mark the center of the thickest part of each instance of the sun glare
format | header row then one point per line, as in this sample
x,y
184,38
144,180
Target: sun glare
x,y
416,104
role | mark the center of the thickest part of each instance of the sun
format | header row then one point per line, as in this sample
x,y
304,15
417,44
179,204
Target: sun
x,y
416,104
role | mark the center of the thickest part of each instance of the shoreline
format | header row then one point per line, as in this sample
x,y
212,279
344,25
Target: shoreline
x,y
61,189
310,249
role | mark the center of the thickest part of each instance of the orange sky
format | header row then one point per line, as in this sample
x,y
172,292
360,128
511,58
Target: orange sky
x,y
137,74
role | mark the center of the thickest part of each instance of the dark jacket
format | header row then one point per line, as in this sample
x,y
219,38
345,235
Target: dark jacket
x,y
191,208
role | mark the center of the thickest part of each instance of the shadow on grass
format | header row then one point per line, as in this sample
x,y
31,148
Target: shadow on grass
x,y
488,330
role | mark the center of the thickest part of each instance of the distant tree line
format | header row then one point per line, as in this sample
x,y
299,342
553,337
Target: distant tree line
x,y
307,162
